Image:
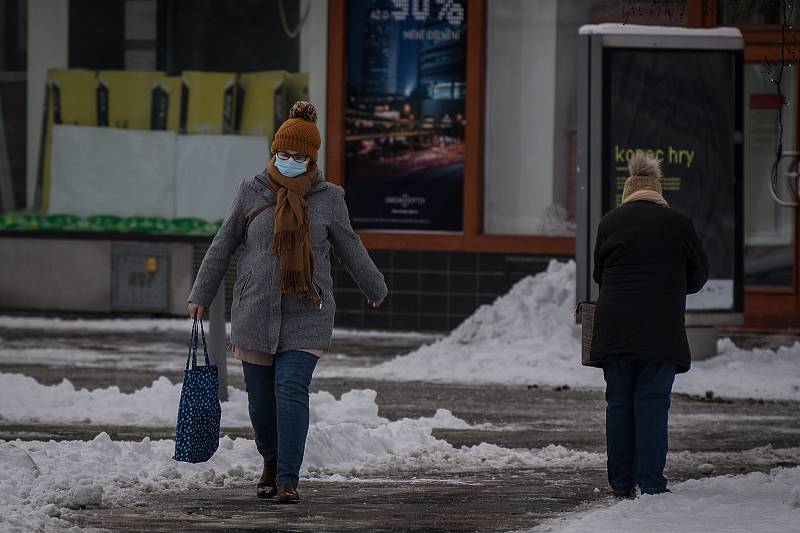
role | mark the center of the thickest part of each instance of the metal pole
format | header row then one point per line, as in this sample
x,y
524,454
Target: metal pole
x,y
217,340
582,154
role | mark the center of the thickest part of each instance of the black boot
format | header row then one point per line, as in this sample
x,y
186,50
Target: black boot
x,y
267,487
629,494
288,494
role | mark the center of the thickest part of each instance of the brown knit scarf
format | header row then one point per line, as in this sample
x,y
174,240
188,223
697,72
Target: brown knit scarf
x,y
648,196
290,241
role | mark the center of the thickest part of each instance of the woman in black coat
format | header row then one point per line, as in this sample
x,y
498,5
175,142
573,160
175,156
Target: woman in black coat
x,y
647,258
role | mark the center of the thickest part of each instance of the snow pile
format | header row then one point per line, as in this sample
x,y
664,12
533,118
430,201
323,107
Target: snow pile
x,y
767,503
737,373
39,479
360,407
357,406
526,336
23,399
529,336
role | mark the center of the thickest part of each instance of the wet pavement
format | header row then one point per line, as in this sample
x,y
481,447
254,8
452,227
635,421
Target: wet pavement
x,y
471,503
734,436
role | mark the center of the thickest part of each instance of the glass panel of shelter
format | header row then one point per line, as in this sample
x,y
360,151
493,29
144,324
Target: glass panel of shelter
x,y
769,227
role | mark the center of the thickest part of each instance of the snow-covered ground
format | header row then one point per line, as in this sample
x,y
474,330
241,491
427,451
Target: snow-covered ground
x,y
737,373
23,399
156,356
109,325
526,336
756,502
155,325
529,336
347,437
153,344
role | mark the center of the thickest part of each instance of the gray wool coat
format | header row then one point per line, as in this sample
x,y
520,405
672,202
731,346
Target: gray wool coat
x,y
263,318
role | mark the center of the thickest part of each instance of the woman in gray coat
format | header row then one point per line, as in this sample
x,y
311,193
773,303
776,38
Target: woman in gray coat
x,y
286,219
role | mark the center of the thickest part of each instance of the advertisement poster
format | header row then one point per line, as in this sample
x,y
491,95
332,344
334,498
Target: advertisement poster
x,y
405,116
680,106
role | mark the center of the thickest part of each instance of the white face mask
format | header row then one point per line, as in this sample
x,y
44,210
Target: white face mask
x,y
290,168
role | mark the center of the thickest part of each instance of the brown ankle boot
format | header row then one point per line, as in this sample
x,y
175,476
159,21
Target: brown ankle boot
x,y
288,494
267,487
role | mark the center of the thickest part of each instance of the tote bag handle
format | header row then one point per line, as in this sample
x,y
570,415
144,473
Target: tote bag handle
x,y
192,357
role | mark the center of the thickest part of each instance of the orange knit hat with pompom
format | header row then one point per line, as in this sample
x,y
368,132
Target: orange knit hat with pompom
x,y
299,133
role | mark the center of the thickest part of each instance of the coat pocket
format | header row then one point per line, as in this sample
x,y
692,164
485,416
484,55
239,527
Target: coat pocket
x,y
320,293
244,286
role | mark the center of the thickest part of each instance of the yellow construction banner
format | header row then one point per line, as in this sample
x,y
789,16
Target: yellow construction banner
x,y
124,98
211,101
260,90
72,96
253,103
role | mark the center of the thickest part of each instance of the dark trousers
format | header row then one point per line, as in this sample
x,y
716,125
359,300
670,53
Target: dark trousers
x,y
638,399
277,398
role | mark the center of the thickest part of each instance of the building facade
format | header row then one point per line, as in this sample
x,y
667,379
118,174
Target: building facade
x,y
450,124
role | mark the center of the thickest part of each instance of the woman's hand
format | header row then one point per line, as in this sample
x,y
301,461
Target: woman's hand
x,y
196,311
376,303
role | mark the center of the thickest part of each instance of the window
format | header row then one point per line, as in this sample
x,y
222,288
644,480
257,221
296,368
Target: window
x,y
769,228
755,12
215,79
530,115
529,175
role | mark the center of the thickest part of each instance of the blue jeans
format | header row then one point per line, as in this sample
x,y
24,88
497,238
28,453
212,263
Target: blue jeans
x,y
278,403
638,397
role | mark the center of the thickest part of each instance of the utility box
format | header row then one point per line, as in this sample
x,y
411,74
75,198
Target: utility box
x,y
140,279
676,93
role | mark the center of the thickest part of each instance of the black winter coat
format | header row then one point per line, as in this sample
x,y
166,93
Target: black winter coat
x,y
647,258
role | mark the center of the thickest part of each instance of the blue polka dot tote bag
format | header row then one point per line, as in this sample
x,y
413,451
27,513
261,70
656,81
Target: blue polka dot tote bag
x,y
197,431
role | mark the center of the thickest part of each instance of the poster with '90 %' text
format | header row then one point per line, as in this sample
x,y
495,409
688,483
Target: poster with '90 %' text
x,y
405,115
